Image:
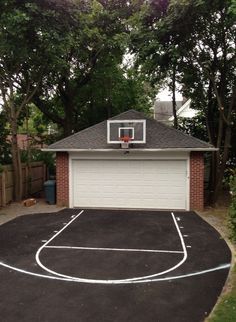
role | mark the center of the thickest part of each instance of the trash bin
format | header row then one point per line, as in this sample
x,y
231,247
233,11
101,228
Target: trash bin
x,y
50,191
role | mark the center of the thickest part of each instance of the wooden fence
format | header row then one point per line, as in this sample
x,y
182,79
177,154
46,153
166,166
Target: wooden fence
x,y
33,179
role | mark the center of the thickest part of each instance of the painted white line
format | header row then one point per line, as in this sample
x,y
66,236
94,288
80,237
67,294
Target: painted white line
x,y
128,280
23,271
117,249
67,224
54,236
217,268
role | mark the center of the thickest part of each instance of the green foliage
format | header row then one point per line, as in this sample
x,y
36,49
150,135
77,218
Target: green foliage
x,y
35,123
226,310
193,43
232,8
195,126
37,155
112,89
48,158
68,61
232,209
92,82
32,43
27,38
66,57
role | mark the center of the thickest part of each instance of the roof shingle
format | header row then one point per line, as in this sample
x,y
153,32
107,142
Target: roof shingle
x,y
158,136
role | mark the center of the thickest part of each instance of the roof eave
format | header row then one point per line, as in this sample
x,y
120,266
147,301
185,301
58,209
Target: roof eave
x,y
208,149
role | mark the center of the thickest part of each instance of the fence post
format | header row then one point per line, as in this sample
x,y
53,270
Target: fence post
x,y
25,180
3,183
44,168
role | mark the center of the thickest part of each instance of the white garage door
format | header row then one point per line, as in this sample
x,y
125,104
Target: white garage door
x,y
129,183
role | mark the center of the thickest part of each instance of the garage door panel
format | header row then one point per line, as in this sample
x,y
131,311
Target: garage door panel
x,y
129,183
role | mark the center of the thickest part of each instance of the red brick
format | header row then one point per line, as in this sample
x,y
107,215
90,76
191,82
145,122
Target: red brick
x,y
196,181
62,176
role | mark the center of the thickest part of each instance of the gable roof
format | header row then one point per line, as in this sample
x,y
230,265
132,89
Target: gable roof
x,y
158,137
185,111
163,110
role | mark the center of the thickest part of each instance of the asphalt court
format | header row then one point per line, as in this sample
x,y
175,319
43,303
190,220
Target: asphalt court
x,y
158,261
125,244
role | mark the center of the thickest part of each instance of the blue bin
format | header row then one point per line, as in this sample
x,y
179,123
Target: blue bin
x,y
50,191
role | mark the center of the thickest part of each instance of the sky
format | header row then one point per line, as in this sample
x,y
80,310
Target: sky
x,y
166,95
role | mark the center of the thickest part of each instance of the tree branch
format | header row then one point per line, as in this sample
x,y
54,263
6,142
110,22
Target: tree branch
x,y
3,91
42,106
219,102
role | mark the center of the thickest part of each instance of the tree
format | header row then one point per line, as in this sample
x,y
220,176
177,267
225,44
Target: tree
x,y
26,40
92,83
50,54
199,36
208,74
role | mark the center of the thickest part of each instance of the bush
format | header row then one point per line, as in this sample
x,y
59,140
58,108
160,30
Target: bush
x,y
232,209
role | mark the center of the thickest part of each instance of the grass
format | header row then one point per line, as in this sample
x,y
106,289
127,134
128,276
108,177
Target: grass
x,y
225,309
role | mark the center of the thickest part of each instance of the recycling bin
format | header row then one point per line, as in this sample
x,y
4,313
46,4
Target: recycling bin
x,y
50,191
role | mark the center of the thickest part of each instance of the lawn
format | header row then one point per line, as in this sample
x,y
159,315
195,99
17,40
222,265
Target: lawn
x,y
225,309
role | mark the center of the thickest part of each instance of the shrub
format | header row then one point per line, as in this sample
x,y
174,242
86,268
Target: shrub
x,y
232,209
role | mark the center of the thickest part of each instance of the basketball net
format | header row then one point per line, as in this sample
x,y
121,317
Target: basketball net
x,y
125,140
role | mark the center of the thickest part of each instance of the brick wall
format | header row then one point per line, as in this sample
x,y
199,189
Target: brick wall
x,y
62,176
196,181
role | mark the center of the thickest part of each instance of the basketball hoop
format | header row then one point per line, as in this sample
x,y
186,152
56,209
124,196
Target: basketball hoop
x,y
125,141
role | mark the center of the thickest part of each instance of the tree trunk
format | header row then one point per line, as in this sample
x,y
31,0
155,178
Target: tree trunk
x,y
68,123
226,139
222,165
173,87
16,162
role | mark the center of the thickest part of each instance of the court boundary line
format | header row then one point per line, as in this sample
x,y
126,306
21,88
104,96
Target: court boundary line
x,y
114,281
117,249
210,270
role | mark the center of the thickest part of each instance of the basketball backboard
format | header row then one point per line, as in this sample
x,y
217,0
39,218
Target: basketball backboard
x,y
134,129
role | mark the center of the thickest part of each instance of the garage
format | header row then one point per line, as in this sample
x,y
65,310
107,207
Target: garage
x,y
157,184
130,161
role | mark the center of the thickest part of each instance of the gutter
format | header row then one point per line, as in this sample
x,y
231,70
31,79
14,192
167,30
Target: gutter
x,y
131,149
